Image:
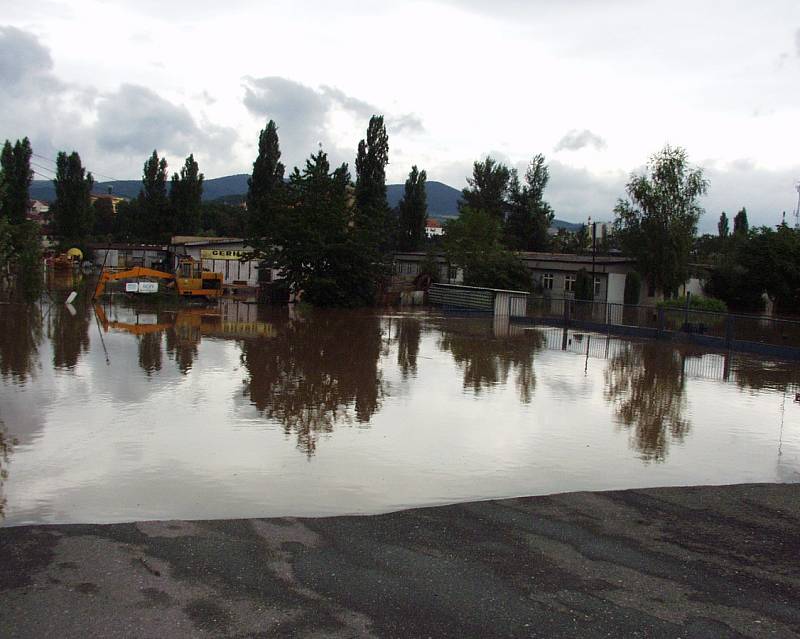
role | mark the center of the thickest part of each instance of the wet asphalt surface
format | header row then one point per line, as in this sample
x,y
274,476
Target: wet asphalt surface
x,y
671,562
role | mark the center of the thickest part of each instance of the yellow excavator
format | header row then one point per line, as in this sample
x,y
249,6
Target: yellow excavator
x,y
190,279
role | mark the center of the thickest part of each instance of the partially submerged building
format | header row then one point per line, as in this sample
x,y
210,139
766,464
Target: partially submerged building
x,y
227,255
553,274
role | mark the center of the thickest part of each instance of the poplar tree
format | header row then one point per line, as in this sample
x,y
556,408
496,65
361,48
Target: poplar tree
x,y
186,196
723,227
73,215
413,211
15,162
740,223
153,204
372,211
265,187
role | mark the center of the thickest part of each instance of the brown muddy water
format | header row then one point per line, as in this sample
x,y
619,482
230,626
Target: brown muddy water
x,y
120,413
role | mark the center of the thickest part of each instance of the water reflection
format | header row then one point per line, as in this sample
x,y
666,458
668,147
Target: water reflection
x,y
455,409
409,331
20,337
68,329
6,449
645,384
486,358
150,352
755,375
318,369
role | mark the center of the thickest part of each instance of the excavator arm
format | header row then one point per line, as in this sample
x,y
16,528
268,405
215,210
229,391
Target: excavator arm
x,y
131,273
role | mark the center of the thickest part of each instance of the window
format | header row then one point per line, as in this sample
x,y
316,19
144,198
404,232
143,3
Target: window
x,y
547,281
452,273
569,284
597,287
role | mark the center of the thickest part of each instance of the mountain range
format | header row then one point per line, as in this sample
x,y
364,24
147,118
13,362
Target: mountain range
x,y
442,199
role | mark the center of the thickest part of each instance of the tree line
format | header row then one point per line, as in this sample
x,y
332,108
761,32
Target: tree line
x,y
332,234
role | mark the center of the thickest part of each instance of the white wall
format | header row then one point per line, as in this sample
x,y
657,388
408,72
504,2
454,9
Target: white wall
x,y
616,288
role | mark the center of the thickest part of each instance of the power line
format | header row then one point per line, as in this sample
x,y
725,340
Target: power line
x,y
107,177
44,168
46,177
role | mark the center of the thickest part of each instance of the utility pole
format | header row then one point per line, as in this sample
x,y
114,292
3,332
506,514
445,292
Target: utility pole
x,y
797,209
594,252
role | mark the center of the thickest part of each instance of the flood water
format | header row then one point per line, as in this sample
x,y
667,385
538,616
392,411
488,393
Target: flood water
x,y
121,413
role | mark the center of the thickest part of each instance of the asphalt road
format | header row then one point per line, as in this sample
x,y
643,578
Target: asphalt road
x,y
673,562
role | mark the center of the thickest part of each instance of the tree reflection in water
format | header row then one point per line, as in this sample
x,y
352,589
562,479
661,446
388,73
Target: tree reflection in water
x,y
756,374
20,337
409,331
645,383
6,449
182,345
317,371
488,358
69,334
150,352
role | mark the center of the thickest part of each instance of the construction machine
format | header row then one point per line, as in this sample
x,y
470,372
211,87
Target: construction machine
x,y
190,279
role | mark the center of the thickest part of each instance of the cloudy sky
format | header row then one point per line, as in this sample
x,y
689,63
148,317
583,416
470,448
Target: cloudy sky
x,y
595,86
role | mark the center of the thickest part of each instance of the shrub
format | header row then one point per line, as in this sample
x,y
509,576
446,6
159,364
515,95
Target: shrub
x,y
696,303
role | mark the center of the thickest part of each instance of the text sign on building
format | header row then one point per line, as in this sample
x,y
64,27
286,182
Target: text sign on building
x,y
131,287
222,254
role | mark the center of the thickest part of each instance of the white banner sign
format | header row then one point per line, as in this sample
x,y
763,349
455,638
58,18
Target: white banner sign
x,y
148,287
131,287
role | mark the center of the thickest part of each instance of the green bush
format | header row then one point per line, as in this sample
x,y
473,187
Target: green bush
x,y
696,303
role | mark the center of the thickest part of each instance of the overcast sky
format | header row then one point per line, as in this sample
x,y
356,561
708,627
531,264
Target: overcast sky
x,y
595,86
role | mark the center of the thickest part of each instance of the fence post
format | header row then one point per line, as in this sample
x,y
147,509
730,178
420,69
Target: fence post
x,y
729,331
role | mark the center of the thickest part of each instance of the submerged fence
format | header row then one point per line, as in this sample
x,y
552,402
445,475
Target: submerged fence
x,y
749,333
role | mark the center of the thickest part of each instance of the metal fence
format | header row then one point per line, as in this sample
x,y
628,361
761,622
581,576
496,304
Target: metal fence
x,y
753,333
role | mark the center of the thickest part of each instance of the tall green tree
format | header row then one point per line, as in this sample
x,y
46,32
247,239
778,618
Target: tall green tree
x,y
156,222
72,212
265,187
104,216
186,196
529,217
371,216
740,223
658,221
488,189
15,169
772,257
316,247
473,243
20,239
413,211
371,161
723,227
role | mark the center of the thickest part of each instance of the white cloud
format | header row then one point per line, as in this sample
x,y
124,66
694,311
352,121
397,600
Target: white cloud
x,y
575,140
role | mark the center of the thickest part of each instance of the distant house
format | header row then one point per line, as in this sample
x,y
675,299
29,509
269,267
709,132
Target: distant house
x,y
37,211
433,228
